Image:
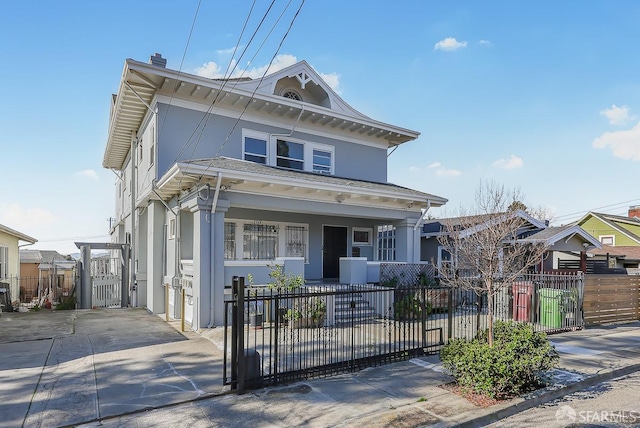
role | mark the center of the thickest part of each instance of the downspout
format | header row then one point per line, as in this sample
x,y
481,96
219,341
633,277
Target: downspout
x,y
421,220
213,239
290,133
132,281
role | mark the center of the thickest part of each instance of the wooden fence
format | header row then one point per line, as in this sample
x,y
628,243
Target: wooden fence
x,y
611,299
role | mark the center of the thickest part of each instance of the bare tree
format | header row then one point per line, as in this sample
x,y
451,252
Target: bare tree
x,y
486,246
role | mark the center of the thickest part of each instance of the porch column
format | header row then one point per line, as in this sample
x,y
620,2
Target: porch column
x,y
216,318
201,263
155,246
407,241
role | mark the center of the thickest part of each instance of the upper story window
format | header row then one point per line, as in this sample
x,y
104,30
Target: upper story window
x,y
607,240
322,161
290,153
255,150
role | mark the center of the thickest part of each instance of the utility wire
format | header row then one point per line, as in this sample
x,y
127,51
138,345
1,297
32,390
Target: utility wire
x,y
256,87
615,206
184,54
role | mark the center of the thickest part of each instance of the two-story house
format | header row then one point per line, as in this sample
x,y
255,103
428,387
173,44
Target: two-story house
x,y
227,176
619,235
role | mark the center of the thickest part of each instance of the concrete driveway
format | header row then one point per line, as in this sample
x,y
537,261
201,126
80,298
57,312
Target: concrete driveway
x,y
62,368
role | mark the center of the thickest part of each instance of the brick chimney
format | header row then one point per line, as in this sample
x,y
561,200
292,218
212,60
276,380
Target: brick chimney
x,y
157,60
634,211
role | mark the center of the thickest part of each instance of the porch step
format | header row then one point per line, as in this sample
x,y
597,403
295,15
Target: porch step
x,y
362,311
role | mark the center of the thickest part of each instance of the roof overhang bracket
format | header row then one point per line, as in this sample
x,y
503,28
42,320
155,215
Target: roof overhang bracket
x,y
140,98
144,79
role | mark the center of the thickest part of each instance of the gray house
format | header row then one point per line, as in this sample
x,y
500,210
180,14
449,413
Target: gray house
x,y
229,176
569,242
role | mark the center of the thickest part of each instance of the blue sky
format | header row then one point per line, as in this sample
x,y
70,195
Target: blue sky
x,y
544,95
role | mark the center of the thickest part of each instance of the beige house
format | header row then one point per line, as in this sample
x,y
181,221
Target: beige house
x,y
10,241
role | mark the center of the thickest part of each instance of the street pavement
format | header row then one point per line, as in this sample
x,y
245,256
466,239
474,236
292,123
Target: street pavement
x,y
126,367
614,403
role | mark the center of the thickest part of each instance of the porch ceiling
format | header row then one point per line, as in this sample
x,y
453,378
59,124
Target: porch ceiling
x,y
141,82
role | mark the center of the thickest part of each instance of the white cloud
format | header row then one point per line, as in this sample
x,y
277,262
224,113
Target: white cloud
x,y
213,70
448,172
26,220
449,44
229,51
486,43
512,163
414,169
87,173
624,144
435,165
617,115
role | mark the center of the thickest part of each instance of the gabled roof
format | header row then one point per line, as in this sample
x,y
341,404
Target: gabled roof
x,y
250,177
41,256
141,83
551,235
615,222
19,235
435,227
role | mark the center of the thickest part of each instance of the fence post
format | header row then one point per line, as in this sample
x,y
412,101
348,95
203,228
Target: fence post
x,y
234,333
242,372
424,316
450,315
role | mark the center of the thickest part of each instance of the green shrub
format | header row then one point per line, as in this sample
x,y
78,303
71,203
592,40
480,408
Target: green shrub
x,y
68,304
509,368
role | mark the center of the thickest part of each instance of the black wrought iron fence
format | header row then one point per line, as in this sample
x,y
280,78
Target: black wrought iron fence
x,y
315,331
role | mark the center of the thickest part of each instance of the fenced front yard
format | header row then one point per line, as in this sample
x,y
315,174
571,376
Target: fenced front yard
x,y
324,329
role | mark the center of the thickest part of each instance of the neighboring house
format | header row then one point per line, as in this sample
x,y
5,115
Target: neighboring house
x,y
45,273
231,176
619,235
9,257
562,242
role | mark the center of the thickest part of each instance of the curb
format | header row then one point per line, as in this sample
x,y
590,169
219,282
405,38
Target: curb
x,y
550,395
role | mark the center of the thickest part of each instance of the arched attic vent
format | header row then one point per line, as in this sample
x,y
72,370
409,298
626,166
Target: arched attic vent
x,y
300,86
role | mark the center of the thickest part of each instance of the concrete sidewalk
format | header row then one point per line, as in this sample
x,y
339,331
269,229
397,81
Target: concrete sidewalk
x,y
126,367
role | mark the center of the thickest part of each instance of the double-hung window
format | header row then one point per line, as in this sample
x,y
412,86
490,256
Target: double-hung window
x,y
322,161
255,150
290,155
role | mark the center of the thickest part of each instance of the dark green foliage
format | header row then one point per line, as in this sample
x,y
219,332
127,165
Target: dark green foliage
x,y
410,308
509,368
70,303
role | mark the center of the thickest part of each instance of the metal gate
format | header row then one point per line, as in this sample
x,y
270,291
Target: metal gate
x,y
106,277
321,330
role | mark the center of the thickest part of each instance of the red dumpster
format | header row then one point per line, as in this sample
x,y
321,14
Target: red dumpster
x,y
522,297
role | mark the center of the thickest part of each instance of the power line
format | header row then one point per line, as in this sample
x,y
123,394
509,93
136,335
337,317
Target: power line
x,y
609,207
256,87
184,54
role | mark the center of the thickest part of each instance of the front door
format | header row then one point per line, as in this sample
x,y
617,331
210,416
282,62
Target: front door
x,y
334,246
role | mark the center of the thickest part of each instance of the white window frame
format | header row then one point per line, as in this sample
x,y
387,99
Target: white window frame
x,y
388,252
247,133
272,150
152,147
601,238
369,241
4,261
282,238
172,228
